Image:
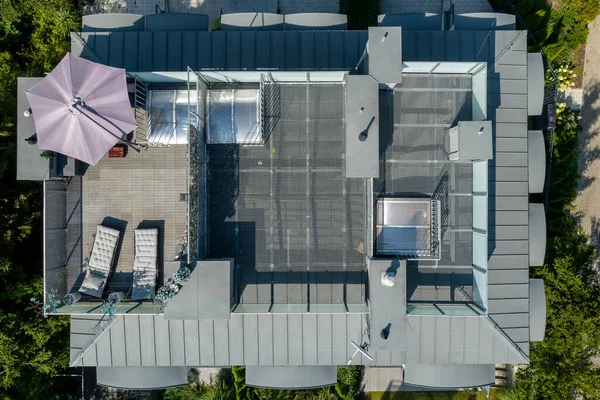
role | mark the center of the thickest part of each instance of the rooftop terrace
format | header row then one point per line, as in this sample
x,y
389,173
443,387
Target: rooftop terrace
x,y
139,191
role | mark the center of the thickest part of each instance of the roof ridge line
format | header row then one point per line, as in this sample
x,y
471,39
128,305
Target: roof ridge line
x,y
524,357
86,349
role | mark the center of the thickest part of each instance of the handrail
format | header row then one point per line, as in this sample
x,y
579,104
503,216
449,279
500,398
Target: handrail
x,y
158,10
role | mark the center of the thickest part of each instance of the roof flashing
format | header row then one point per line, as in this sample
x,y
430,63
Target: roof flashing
x,y
385,54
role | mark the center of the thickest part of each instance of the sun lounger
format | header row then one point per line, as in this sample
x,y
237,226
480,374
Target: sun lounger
x,y
101,261
145,270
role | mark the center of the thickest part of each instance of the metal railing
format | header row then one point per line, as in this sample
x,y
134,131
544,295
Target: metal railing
x,y
141,111
159,10
270,105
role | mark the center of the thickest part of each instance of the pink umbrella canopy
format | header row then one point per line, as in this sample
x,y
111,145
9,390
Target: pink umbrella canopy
x,y
81,109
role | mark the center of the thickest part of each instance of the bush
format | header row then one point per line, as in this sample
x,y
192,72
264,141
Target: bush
x,y
349,382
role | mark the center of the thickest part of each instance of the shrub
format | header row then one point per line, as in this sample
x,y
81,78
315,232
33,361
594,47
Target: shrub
x,y
349,382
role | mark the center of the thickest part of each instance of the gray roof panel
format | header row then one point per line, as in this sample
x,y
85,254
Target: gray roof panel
x,y
221,342
518,335
236,339
537,234
174,49
324,339
291,377
385,54
535,83
115,50
537,310
500,306
118,346
265,339
280,339
147,343
295,344
537,161
160,43
191,343
251,21
315,21
509,291
176,347
145,46
234,50
510,174
507,276
307,50
132,342
512,320
141,378
511,261
130,51
292,50
161,342
176,22
485,21
388,305
339,333
510,130
278,50
309,339
449,376
219,50
503,247
207,342
251,339
409,21
248,50
204,51
112,22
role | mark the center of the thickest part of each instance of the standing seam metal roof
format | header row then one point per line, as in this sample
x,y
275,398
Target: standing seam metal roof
x,y
219,50
508,220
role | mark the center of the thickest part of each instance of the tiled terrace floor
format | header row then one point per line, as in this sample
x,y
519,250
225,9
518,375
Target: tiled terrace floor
x,y
141,190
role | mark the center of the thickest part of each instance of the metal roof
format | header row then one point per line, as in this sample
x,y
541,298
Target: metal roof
x,y
208,294
244,339
450,376
387,305
485,21
315,21
142,378
421,21
291,377
385,54
361,122
109,22
535,83
536,161
508,219
251,21
537,310
537,234
219,50
457,340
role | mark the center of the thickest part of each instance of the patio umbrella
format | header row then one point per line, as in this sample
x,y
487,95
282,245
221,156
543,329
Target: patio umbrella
x,y
81,109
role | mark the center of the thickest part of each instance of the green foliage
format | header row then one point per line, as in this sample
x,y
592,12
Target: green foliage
x,y
216,24
239,381
561,365
558,30
361,13
349,382
34,36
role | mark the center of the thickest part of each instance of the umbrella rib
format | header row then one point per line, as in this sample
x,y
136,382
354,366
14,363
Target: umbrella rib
x,y
128,143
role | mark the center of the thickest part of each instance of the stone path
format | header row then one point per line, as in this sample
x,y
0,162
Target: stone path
x,y
573,98
587,202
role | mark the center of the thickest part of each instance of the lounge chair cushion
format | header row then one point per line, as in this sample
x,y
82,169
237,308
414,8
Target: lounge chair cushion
x,y
105,245
146,249
93,281
144,285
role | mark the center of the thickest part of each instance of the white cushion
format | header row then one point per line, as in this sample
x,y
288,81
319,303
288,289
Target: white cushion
x,y
93,281
146,250
105,245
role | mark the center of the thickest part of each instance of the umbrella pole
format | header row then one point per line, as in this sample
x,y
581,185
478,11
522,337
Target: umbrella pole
x,y
127,142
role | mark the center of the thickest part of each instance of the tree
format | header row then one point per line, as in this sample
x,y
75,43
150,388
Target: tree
x,y
34,35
